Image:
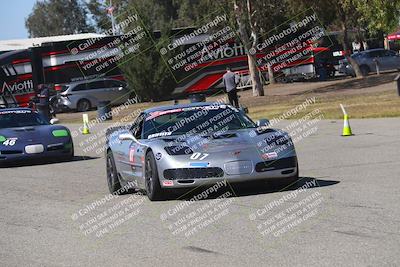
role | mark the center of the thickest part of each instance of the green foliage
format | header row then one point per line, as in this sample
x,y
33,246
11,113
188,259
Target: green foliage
x,y
147,74
378,15
145,71
98,14
57,17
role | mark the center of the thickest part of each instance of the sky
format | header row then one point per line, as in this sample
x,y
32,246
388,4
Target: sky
x,y
12,18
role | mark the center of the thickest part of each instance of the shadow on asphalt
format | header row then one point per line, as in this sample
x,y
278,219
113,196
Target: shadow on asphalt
x,y
29,163
368,81
255,188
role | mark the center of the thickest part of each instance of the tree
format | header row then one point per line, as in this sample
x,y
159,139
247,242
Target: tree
x,y
378,15
341,14
247,28
57,17
145,71
371,15
347,16
268,25
98,14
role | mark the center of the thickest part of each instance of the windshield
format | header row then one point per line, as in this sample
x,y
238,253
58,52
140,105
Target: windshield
x,y
195,120
20,118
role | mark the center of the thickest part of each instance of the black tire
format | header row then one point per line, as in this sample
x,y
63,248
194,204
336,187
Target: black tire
x,y
364,70
83,105
71,154
112,175
152,181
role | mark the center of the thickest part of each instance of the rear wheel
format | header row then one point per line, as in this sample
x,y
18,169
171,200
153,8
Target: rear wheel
x,y
112,175
83,105
152,181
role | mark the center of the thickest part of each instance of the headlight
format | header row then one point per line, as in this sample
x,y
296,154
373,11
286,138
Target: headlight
x,y
178,150
60,133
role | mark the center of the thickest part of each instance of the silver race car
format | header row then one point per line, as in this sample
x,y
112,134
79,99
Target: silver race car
x,y
189,145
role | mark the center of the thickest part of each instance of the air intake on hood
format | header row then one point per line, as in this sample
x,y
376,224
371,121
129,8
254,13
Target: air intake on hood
x,y
260,131
168,139
223,136
25,129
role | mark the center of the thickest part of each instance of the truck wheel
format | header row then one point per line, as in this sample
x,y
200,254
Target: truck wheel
x,y
152,181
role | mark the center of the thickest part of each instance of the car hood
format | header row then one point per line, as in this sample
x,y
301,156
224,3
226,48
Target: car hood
x,y
226,141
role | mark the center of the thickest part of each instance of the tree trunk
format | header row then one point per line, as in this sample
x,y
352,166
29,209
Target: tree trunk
x,y
271,76
257,87
346,48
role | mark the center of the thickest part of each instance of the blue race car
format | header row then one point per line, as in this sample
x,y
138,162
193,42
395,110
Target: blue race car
x,y
25,135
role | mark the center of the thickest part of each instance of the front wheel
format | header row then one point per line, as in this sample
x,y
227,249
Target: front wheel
x,y
71,153
112,175
152,181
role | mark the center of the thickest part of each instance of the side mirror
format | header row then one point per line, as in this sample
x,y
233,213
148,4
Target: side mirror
x,y
126,136
54,121
262,122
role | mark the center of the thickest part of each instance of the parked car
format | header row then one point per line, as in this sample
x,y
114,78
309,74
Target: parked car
x,y
85,95
386,59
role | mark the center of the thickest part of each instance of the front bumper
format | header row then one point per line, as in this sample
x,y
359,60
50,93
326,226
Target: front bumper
x,y
36,152
232,172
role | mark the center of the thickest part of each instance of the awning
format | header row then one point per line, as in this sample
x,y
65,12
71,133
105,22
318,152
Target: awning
x,y
394,36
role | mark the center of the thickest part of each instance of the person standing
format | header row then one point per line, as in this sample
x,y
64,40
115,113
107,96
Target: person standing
x,y
44,103
231,81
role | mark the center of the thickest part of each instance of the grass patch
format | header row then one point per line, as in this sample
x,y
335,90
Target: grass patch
x,y
369,105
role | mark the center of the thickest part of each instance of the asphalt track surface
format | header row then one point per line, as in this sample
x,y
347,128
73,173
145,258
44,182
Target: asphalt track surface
x,y
348,215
